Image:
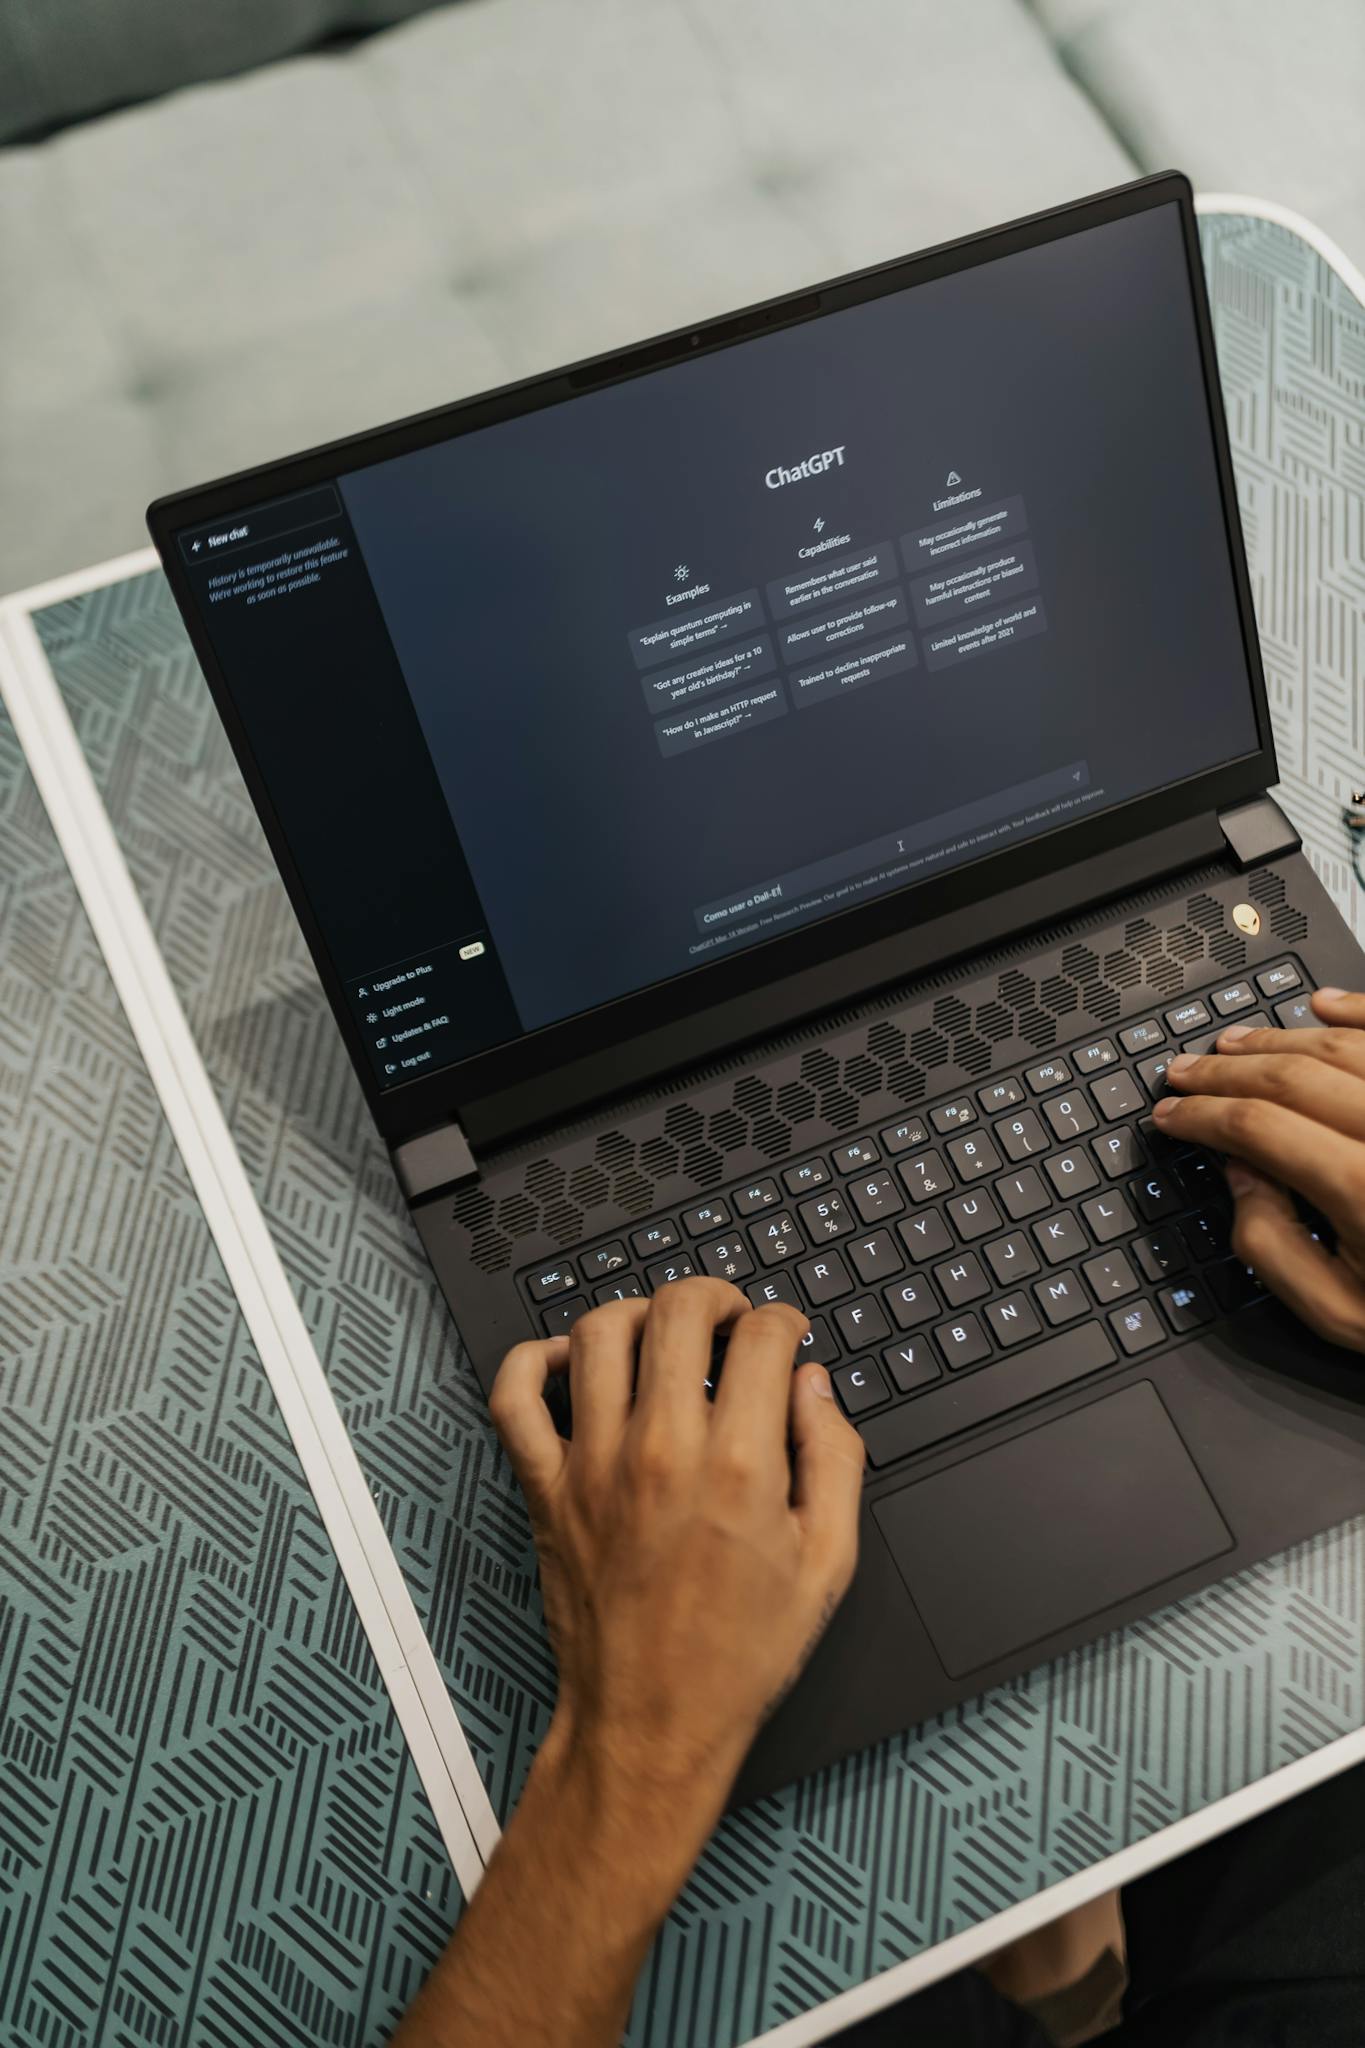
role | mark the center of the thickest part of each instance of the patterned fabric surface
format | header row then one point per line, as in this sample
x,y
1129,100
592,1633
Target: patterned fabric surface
x,y
210,1828
813,1890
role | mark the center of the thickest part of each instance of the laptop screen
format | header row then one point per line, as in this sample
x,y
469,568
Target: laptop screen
x,y
563,707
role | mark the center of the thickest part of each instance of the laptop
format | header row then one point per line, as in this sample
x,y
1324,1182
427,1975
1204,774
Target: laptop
x,y
769,803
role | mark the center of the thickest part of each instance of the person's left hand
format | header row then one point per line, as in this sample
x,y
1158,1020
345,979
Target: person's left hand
x,y
1288,1109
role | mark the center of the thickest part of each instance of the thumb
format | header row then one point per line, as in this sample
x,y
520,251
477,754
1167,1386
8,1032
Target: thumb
x,y
827,1476
1268,1236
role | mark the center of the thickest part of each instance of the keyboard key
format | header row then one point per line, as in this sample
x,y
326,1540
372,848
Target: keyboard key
x,y
562,1317
1069,1115
826,1217
1110,1277
973,1156
860,1386
1054,1073
1296,1014
1061,1297
1021,1136
1013,1320
1117,1095
1238,995
701,1221
1206,1235
824,1279
669,1270
1023,1194
760,1194
774,1287
1278,980
819,1346
1108,1216
1092,1058
945,1411
962,1280
726,1258
1141,1037
963,1342
608,1258
911,1364
925,1237
903,1137
1118,1152
626,1289
1160,1254
1011,1258
1233,1284
862,1322
1200,1177
776,1238
655,1238
801,1180
911,1301
1155,1197
1071,1173
1185,1306
1137,1326
951,1116
1187,1017
1152,1072
998,1095
925,1176
876,1195
1060,1237
875,1257
974,1215
551,1280
852,1157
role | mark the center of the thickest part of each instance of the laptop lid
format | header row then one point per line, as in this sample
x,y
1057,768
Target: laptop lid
x,y
579,713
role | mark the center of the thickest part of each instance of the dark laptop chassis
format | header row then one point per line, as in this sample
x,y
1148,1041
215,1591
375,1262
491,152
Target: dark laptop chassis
x,y
574,1131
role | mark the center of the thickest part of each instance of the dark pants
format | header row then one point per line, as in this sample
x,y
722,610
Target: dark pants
x,y
1255,1941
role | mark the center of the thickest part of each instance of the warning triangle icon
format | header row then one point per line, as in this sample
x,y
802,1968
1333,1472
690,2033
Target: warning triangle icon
x,y
953,478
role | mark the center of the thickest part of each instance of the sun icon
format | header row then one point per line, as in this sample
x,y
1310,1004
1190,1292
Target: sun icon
x,y
681,573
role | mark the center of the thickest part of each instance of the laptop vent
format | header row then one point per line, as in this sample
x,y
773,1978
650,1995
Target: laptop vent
x,y
905,1051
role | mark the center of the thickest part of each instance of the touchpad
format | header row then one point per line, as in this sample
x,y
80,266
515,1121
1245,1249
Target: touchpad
x,y
1051,1528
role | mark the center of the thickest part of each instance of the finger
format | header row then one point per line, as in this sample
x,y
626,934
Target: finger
x,y
1339,1006
675,1350
517,1406
755,1388
827,1476
1341,1051
602,1351
1268,1236
1311,1086
1324,1166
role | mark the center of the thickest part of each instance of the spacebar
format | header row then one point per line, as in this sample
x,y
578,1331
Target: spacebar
x,y
962,1404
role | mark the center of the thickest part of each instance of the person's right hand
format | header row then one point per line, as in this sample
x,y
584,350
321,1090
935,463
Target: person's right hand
x,y
689,1560
1288,1110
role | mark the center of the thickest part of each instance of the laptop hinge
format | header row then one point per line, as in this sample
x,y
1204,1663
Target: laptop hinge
x,y
434,1159
1258,831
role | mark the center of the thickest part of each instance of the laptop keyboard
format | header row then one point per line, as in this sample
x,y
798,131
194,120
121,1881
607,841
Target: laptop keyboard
x,y
979,1252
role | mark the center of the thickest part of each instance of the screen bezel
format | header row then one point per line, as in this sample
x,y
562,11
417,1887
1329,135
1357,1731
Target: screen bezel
x,y
757,982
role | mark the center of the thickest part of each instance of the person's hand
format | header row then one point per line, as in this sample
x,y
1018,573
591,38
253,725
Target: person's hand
x,y
689,1563
1288,1109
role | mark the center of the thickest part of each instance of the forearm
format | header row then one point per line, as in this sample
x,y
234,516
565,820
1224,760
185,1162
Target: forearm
x,y
547,1953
